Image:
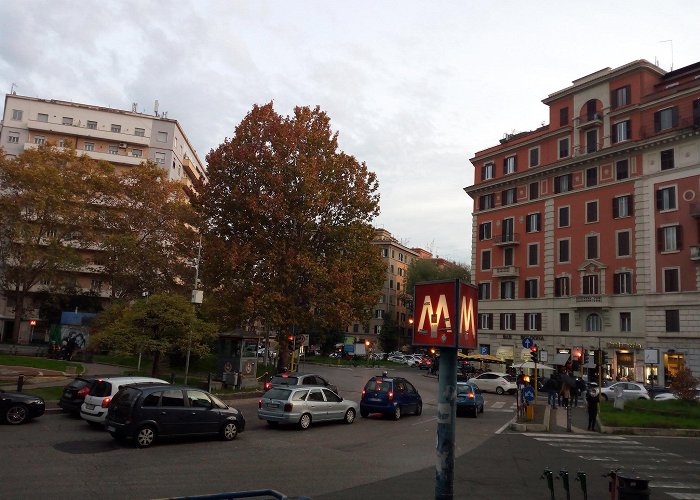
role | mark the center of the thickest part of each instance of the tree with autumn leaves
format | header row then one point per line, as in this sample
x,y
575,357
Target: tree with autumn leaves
x,y
287,225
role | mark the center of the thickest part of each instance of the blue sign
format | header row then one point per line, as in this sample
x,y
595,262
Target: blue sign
x,y
529,393
528,342
484,349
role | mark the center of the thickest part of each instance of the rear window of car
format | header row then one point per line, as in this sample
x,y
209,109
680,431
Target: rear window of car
x,y
510,378
464,389
279,380
79,383
101,388
126,396
378,386
282,394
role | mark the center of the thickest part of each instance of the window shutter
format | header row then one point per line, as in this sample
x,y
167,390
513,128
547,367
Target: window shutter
x,y
481,231
526,323
528,225
674,117
613,99
538,321
657,121
659,199
616,209
679,237
505,165
502,321
616,285
660,239
630,204
614,133
515,162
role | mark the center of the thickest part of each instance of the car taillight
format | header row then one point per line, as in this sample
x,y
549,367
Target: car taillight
x,y
83,392
267,386
391,395
471,395
364,392
259,403
288,407
106,401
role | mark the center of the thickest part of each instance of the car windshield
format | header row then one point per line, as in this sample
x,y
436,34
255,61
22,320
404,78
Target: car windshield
x,y
282,380
378,386
282,394
217,402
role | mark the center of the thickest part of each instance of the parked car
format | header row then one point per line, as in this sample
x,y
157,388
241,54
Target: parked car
x,y
627,390
469,399
74,394
18,407
146,412
397,358
94,408
391,396
668,395
499,383
287,379
303,405
427,363
414,360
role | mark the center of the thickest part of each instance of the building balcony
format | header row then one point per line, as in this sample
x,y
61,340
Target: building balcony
x,y
506,272
593,120
109,157
81,130
590,301
695,253
506,239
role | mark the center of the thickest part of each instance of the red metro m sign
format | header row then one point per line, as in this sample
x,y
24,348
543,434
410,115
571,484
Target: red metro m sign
x,y
435,304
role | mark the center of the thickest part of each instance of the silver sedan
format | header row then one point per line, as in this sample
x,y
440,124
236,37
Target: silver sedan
x,y
302,405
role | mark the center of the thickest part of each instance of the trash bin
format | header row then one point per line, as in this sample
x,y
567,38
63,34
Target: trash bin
x,y
530,412
632,488
230,379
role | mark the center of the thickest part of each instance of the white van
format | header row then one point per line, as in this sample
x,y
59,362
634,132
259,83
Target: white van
x,y
94,408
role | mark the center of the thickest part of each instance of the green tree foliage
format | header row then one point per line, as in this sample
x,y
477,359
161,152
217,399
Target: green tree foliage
x,y
684,384
433,270
288,225
159,326
389,336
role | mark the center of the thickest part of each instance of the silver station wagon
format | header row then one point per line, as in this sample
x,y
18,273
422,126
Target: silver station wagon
x,y
302,405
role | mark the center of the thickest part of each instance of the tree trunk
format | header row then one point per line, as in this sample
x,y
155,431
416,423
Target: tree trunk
x,y
155,369
19,311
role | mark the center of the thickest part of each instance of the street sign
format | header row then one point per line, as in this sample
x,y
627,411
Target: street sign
x,y
300,340
529,393
528,342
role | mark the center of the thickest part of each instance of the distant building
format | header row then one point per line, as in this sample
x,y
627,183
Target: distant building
x,y
585,231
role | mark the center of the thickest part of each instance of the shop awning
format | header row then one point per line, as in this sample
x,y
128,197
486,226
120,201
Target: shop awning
x,y
561,358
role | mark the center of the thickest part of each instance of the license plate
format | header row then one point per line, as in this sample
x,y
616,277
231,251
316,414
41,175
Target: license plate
x,y
89,407
110,428
273,405
376,400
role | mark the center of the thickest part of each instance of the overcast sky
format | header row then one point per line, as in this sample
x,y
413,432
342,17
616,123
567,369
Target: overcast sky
x,y
414,88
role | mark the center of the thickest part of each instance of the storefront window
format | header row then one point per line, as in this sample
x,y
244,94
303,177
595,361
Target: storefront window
x,y
673,362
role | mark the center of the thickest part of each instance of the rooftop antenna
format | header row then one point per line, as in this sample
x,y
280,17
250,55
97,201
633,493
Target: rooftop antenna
x,y
155,107
12,88
671,42
133,107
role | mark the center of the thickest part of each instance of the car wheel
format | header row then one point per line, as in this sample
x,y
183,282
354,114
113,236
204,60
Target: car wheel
x,y
481,409
605,397
229,431
272,423
397,412
475,412
364,413
305,421
499,391
419,409
16,414
349,416
145,436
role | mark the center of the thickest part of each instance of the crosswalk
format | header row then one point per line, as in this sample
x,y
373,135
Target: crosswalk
x,y
670,473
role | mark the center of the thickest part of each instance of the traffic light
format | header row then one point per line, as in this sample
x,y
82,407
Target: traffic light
x,y
604,357
576,361
535,354
291,343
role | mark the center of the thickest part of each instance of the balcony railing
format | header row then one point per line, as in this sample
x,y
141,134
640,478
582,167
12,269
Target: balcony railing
x,y
506,272
505,239
589,301
591,120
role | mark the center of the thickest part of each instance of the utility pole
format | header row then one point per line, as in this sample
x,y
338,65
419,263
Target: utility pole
x,y
196,299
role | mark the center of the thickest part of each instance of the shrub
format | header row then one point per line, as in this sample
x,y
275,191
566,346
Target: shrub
x,y
684,383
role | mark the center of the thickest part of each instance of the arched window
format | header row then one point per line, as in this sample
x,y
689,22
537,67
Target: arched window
x,y
593,323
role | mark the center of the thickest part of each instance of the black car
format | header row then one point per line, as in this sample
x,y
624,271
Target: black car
x,y
17,407
286,379
74,394
391,396
146,412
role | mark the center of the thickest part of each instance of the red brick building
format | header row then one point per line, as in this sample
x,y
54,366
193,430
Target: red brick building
x,y
585,231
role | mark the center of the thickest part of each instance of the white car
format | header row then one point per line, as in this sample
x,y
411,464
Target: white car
x,y
397,358
414,360
626,390
665,396
500,383
94,408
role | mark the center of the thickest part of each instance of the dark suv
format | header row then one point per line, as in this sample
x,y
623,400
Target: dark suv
x,y
145,412
391,396
286,379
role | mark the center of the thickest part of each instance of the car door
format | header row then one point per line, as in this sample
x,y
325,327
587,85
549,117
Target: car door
x,y
173,418
411,395
334,406
316,405
203,417
485,382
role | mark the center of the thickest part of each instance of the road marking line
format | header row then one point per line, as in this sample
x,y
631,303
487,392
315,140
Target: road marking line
x,y
505,426
420,422
685,496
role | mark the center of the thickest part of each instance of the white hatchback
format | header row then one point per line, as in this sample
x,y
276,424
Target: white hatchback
x,y
94,408
499,383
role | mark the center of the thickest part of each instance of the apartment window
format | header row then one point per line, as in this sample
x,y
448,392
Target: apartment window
x,y
622,169
622,206
562,183
590,110
508,196
42,117
509,165
391,284
625,322
508,229
486,201
13,138
486,321
667,162
533,254
507,321
382,299
507,289
591,212
485,260
592,246
402,257
673,320
534,157
620,97
113,150
592,141
564,147
563,116
487,171
593,323
508,256
485,231
564,251
159,158
67,120
89,146
623,244
563,216
140,132
564,322
116,128
485,291
138,153
533,321
378,314
666,119
534,190
162,137
531,288
562,286
16,114
622,283
385,252
39,139
590,284
671,279
591,176
401,272
533,222
95,285
621,131
666,198
92,124
670,238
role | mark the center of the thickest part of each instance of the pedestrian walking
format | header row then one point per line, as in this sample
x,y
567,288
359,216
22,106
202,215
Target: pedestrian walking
x,y
592,406
565,394
552,388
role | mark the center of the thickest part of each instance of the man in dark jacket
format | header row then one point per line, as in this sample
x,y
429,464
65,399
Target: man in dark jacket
x,y
552,388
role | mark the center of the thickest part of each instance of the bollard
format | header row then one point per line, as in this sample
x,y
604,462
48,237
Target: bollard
x,y
632,487
568,417
547,474
612,483
20,382
564,475
581,477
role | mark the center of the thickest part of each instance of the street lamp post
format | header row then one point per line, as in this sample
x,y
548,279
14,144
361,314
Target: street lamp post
x,y
196,299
